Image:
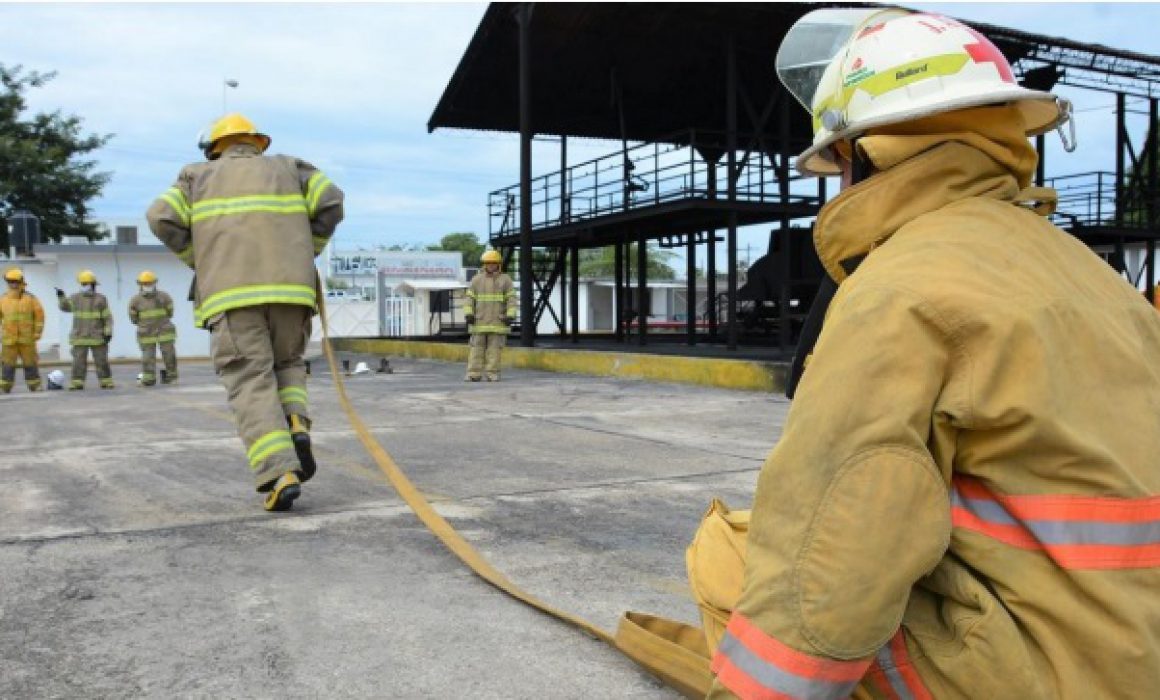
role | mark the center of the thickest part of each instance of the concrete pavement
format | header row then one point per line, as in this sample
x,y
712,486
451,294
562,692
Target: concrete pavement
x,y
137,562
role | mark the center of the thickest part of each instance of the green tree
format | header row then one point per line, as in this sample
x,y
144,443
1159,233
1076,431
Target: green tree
x,y
601,262
463,242
42,164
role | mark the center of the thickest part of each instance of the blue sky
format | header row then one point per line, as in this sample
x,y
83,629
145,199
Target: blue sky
x,y
350,87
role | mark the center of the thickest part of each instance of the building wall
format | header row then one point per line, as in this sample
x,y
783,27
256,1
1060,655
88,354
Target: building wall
x,y
116,268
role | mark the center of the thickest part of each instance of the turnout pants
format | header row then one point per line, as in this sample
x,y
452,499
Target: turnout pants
x,y
484,355
149,362
257,352
25,354
80,365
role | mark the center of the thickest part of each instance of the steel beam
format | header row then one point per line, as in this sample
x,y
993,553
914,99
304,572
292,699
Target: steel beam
x,y
527,288
731,155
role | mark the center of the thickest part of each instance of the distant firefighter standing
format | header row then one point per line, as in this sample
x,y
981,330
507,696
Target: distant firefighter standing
x,y
151,310
490,311
21,324
92,329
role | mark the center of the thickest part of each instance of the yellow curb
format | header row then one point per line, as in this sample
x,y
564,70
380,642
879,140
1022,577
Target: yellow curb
x,y
749,375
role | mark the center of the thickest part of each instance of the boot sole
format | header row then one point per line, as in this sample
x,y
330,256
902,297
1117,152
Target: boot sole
x,y
284,499
305,456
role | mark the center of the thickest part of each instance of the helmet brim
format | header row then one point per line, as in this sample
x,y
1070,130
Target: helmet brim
x,y
1041,113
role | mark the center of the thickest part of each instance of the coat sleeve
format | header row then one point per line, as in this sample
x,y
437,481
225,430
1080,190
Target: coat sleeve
x,y
470,296
511,300
168,302
133,313
65,304
106,317
37,318
324,202
169,219
850,508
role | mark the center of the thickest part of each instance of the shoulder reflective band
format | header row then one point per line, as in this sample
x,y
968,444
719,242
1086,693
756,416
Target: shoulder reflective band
x,y
315,186
176,200
239,297
253,204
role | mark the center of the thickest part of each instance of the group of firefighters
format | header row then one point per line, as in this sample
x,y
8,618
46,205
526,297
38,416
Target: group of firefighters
x,y
22,323
965,500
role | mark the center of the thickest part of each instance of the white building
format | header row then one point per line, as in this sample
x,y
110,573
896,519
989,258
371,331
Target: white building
x,y
392,293
116,268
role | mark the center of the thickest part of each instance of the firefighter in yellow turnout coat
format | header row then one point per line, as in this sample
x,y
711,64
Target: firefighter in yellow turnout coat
x,y
21,324
490,310
151,310
92,329
965,501
251,225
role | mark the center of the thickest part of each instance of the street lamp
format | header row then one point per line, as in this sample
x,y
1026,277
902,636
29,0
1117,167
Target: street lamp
x,y
227,83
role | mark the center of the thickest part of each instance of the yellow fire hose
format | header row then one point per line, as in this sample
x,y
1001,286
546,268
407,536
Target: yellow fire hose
x,y
670,650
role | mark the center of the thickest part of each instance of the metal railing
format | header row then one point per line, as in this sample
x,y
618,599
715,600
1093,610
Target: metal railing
x,y
644,175
1090,200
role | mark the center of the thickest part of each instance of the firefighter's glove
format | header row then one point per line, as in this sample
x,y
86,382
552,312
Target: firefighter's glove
x,y
108,338
470,318
59,292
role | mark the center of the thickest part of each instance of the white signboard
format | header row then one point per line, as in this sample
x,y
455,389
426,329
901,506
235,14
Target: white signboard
x,y
398,264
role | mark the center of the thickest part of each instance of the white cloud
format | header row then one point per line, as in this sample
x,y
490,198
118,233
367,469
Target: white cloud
x,y
350,87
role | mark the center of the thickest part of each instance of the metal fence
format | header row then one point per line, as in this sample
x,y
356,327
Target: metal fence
x,y
643,175
1090,200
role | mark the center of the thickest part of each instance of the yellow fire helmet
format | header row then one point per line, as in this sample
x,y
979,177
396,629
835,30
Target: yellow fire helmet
x,y
86,277
213,141
146,277
491,256
14,274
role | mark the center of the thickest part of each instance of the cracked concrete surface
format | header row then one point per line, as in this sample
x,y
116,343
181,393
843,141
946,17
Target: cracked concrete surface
x,y
137,562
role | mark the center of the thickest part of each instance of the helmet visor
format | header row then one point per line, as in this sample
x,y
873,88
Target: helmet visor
x,y
813,42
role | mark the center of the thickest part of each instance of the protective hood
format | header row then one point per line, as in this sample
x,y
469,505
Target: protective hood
x,y
922,166
998,131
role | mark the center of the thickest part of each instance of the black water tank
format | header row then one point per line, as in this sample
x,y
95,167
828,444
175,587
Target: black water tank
x,y
24,231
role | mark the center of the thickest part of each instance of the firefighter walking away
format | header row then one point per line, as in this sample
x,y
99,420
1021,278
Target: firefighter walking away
x,y
250,226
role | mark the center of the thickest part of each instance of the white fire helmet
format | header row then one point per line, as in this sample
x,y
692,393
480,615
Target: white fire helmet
x,y
859,68
55,379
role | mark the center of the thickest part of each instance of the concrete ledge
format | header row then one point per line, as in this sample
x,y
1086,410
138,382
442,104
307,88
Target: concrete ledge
x,y
749,375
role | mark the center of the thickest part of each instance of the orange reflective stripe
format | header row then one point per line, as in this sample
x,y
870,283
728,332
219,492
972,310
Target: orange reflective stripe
x,y
754,664
1077,532
893,674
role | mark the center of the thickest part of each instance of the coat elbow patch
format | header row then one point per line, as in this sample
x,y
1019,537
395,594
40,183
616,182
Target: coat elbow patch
x,y
883,524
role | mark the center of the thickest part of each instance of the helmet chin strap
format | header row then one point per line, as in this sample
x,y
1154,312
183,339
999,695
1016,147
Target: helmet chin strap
x,y
812,327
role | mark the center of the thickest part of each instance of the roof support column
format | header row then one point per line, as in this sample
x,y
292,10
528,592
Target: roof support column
x,y
1041,150
691,289
1121,131
711,260
527,287
618,290
642,295
574,281
1153,175
785,246
731,153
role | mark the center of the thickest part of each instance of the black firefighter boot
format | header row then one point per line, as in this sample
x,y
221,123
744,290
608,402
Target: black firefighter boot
x,y
300,435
